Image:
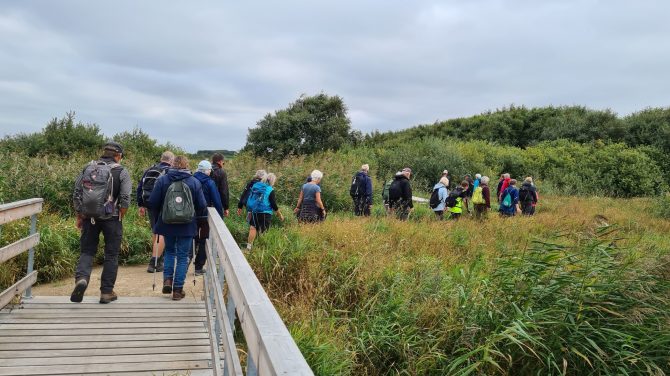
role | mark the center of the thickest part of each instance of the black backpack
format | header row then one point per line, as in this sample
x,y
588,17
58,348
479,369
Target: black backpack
x,y
434,198
450,202
357,186
395,191
149,180
525,195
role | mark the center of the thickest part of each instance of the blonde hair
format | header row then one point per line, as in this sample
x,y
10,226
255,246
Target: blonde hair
x,y
271,179
365,167
444,181
528,180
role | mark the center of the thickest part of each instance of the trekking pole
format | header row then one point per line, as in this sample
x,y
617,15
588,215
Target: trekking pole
x,y
193,262
154,251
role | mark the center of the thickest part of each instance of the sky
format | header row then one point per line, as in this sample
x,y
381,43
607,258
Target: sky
x,y
199,74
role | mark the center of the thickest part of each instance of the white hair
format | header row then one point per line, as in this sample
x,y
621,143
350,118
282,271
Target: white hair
x,y
506,176
271,179
365,167
478,176
316,175
485,180
261,174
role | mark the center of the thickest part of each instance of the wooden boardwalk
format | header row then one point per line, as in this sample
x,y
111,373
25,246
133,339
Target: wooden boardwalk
x,y
49,335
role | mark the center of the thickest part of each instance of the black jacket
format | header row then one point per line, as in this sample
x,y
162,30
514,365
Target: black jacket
x,y
528,193
221,180
405,190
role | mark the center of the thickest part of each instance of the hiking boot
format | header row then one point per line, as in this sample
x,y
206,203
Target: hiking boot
x,y
108,297
78,292
178,294
199,271
167,286
155,267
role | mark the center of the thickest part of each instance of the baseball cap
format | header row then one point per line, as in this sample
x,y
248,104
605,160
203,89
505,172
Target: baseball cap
x,y
113,146
204,165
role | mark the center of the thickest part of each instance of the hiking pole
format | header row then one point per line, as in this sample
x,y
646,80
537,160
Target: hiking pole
x,y
155,254
193,262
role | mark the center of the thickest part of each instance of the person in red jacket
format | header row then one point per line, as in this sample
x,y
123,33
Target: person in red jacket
x,y
505,184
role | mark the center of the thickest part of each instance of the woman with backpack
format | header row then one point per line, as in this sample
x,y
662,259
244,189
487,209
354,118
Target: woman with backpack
x,y
439,197
310,207
457,200
509,200
481,198
528,196
262,202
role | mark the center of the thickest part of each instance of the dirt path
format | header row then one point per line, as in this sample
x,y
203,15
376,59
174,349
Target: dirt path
x,y
131,281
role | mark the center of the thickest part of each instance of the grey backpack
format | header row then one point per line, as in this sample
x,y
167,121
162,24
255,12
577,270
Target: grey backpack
x,y
178,204
97,184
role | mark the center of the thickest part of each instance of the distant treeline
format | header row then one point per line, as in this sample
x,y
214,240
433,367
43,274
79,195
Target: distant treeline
x,y
207,154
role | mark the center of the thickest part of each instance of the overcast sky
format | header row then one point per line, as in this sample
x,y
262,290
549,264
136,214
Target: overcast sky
x,y
200,73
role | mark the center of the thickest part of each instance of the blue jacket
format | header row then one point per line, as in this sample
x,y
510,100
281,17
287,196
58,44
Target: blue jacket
x,y
155,203
514,193
368,187
442,195
475,185
211,191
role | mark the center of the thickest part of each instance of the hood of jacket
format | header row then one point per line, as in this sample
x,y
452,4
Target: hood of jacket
x,y
528,186
439,185
176,174
400,176
361,174
202,177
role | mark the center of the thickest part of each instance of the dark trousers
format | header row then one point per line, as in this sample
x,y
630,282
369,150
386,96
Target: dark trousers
x,y
361,207
201,241
527,208
112,230
481,211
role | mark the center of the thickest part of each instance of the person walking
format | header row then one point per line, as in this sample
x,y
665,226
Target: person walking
x,y
441,193
361,192
310,208
528,196
261,202
101,199
260,175
481,198
503,184
213,199
221,180
509,200
457,200
144,188
400,194
177,201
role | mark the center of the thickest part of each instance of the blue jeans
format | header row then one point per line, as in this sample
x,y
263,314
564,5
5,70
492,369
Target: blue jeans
x,y
177,247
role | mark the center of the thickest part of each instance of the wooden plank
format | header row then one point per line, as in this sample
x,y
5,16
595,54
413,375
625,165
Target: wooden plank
x,y
103,325
17,289
144,350
165,299
106,338
20,319
100,345
19,209
269,342
110,314
8,332
120,312
104,359
108,368
18,247
115,305
175,372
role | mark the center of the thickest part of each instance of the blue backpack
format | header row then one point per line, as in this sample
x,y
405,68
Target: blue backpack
x,y
259,198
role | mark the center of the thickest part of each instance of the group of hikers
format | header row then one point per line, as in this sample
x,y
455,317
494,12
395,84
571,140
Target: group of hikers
x,y
175,200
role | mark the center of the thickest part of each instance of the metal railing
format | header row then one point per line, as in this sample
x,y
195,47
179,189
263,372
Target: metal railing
x,y
11,212
270,348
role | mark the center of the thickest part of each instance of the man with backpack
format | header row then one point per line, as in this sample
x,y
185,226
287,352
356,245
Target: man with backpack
x,y
457,199
509,200
439,196
361,192
101,198
400,194
177,201
211,192
221,180
528,196
144,188
481,198
260,175
385,194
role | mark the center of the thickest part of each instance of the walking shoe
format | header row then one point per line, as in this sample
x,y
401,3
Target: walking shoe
x,y
108,297
178,294
78,292
167,286
200,271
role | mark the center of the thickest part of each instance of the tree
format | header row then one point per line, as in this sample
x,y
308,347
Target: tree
x,y
308,125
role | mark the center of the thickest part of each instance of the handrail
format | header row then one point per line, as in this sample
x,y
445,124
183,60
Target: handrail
x,y
271,349
11,212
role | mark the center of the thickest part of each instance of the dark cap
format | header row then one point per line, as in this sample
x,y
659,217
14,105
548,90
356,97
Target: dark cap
x,y
113,146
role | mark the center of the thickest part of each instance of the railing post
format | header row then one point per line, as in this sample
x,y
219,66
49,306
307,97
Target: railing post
x,y
31,254
210,279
